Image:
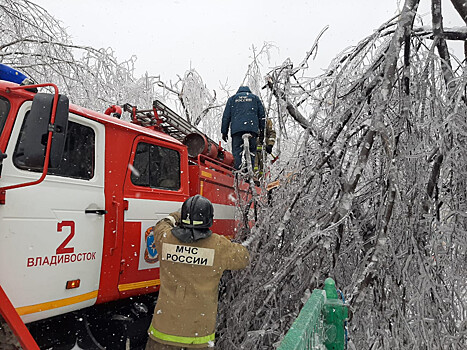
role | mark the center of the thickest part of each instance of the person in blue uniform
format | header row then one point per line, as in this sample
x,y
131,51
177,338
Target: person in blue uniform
x,y
243,113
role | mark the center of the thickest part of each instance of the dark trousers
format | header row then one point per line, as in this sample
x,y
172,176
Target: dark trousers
x,y
237,148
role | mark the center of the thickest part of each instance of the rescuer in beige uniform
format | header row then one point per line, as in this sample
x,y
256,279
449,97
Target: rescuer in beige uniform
x,y
269,141
192,260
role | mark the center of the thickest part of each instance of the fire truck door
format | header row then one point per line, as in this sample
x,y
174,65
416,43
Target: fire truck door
x,y
155,186
52,233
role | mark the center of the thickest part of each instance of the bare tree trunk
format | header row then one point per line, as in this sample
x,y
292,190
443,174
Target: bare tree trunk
x,y
461,7
441,44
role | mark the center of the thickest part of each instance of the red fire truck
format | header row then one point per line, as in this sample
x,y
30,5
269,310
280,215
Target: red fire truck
x,y
79,194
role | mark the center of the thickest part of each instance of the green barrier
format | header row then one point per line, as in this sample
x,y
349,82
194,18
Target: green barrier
x,y
320,324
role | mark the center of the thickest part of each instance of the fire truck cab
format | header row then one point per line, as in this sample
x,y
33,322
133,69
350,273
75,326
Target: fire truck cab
x,y
81,234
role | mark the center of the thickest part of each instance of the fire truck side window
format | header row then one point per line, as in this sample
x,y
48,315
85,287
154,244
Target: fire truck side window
x,y
78,159
156,167
4,109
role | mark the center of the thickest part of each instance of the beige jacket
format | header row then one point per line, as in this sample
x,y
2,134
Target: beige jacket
x,y
186,310
269,140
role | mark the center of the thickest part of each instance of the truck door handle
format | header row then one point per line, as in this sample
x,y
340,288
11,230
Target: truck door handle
x,y
95,211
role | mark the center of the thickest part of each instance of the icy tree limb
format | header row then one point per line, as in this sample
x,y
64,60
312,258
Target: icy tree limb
x,y
325,159
293,111
184,106
368,275
441,42
404,26
304,63
210,106
168,88
406,76
390,64
446,67
433,180
362,161
461,8
454,34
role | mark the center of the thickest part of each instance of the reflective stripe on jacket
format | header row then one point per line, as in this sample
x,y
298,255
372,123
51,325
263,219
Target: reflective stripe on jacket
x,y
181,340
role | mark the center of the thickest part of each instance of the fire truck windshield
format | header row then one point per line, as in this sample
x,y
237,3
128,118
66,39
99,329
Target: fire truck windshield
x,y
4,109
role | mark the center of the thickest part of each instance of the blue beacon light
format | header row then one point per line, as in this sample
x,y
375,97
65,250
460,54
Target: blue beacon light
x,y
12,75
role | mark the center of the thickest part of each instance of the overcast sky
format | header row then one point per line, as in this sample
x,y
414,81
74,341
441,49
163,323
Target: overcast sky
x,y
215,36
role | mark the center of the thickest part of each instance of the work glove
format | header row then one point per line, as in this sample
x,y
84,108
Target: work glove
x,y
176,215
269,149
225,137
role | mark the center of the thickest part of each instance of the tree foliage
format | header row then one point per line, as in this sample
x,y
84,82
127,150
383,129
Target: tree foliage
x,y
375,197
34,42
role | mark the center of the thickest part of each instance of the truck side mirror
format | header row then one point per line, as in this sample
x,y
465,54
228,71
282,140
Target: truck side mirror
x,y
36,130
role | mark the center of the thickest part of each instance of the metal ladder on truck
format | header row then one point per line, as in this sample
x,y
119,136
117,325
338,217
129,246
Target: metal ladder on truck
x,y
161,118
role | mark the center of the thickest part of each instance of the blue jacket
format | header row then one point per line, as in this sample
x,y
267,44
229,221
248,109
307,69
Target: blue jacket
x,y
244,112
